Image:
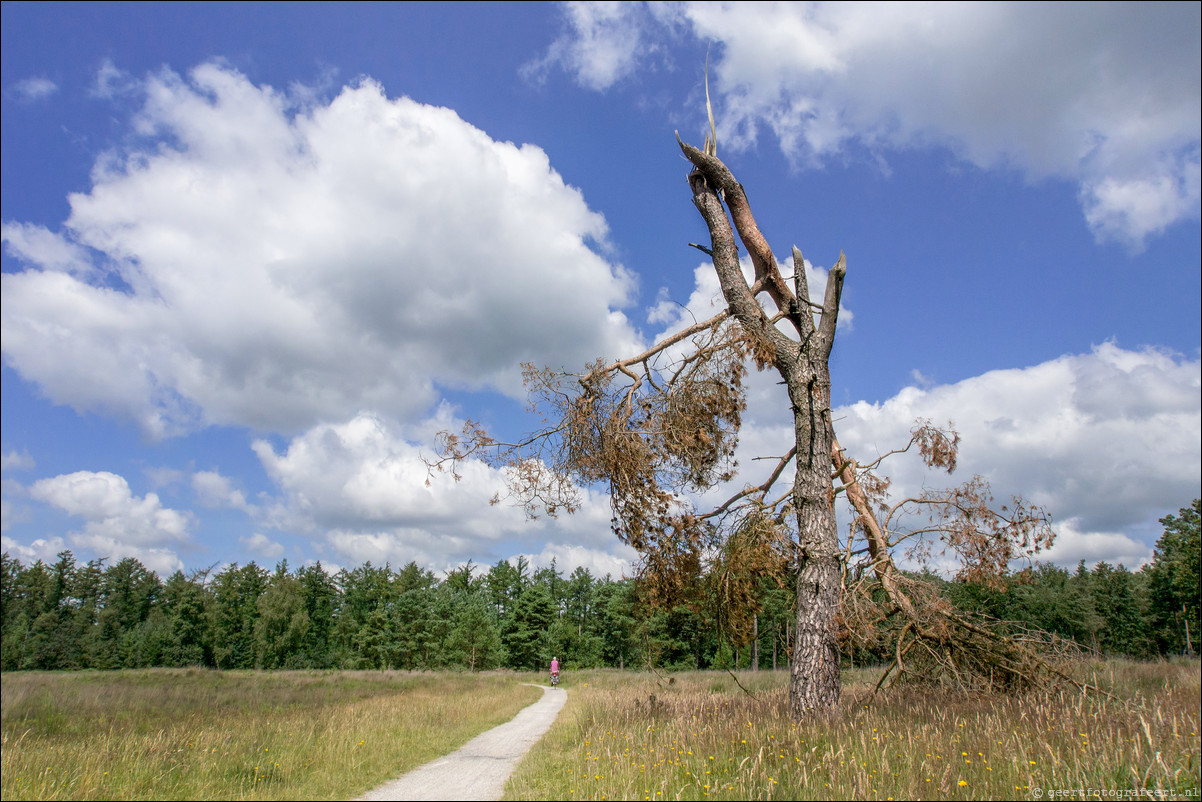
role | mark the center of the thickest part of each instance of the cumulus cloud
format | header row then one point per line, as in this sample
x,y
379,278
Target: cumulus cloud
x,y
260,261
1117,548
1106,95
1106,441
617,562
262,546
44,549
214,490
117,524
360,489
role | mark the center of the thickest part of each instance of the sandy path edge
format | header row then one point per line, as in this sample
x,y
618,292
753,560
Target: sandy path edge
x,y
478,769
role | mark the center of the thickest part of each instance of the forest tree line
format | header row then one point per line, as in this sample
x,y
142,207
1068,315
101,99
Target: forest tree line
x,y
68,615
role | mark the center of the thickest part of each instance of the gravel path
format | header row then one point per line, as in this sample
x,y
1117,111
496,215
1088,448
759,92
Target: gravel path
x,y
480,768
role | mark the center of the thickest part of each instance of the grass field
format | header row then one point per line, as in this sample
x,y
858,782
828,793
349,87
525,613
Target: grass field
x,y
192,734
197,734
701,737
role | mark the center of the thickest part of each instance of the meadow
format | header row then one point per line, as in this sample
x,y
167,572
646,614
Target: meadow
x,y
702,736
206,734
196,733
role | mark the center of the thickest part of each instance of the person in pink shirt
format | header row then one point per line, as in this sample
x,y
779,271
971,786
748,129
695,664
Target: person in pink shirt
x,y
554,670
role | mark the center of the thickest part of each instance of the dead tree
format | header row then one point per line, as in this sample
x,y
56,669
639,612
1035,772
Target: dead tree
x,y
659,428
664,424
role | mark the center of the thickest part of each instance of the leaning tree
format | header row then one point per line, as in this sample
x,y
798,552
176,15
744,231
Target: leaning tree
x,y
660,428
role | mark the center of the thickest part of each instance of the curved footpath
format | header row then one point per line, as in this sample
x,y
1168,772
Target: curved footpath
x,y
480,768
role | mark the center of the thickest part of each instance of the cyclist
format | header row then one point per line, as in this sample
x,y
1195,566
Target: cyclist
x,y
554,670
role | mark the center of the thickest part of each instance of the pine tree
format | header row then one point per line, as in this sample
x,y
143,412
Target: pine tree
x,y
235,609
475,636
1175,584
282,622
524,632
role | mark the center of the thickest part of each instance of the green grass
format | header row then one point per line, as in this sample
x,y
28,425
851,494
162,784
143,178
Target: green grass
x,y
702,737
198,734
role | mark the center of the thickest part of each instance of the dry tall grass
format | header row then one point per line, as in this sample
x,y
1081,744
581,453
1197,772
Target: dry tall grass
x,y
635,737
195,734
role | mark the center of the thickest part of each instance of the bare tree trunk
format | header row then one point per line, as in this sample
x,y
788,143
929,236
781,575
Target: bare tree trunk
x,y
802,363
1189,644
788,645
755,642
814,684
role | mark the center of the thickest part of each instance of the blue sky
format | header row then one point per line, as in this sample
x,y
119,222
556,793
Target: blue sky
x,y
256,255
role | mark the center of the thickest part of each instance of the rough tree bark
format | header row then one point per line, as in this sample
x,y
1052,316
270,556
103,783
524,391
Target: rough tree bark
x,y
803,365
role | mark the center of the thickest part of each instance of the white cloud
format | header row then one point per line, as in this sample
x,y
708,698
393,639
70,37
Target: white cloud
x,y
117,524
618,561
1107,442
360,488
605,44
30,89
161,476
111,81
1072,545
1104,95
263,264
11,514
1130,209
12,461
43,549
262,546
50,251
214,490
